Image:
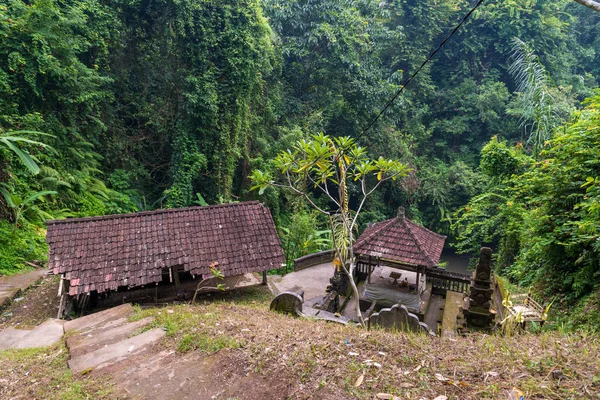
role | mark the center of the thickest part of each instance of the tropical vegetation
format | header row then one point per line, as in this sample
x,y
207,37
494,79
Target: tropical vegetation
x,y
119,106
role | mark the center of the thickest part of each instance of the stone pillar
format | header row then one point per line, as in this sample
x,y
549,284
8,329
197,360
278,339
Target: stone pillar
x,y
478,314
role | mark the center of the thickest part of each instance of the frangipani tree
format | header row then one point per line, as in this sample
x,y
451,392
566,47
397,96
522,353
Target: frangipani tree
x,y
325,166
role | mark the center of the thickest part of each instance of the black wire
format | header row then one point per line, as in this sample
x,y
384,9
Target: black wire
x,y
389,103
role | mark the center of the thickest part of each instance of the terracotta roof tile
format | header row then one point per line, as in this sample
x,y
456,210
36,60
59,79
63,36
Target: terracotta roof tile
x,y
102,253
401,240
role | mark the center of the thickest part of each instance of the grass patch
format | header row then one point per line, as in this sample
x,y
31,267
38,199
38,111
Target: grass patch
x,y
206,343
18,246
43,373
192,327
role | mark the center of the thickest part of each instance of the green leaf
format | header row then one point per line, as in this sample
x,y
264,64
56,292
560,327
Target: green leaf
x,y
8,197
201,200
25,158
37,195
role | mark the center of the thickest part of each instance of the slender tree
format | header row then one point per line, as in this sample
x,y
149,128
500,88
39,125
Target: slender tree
x,y
538,111
594,5
327,165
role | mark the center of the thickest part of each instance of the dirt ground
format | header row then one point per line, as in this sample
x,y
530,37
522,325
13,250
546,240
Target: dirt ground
x,y
227,374
34,306
233,347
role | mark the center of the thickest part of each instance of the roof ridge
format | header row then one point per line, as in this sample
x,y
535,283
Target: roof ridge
x,y
429,230
384,223
150,212
417,241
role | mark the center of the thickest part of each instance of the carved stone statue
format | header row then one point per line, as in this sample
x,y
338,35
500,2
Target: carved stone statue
x,y
397,318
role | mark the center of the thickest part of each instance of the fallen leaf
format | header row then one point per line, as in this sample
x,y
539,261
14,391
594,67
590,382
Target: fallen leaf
x,y
490,374
359,381
442,397
384,396
440,377
406,385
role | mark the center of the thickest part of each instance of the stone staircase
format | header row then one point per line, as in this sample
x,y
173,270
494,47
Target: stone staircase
x,y
106,338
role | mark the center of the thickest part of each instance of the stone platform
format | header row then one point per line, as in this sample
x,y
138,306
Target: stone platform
x,y
46,334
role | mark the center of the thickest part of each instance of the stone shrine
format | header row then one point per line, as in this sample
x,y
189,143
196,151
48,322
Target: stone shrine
x,y
478,314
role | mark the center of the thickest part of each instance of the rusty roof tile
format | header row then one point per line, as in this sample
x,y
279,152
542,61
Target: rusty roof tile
x,y
103,253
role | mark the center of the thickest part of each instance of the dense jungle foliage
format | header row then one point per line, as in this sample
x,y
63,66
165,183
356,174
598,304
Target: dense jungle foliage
x,y
112,106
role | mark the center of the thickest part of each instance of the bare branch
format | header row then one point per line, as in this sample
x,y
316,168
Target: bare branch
x,y
594,5
324,189
300,192
367,194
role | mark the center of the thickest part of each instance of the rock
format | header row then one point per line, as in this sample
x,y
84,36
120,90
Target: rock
x,y
117,352
288,303
397,318
557,374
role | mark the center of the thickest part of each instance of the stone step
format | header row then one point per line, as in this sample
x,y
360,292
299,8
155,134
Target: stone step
x,y
103,336
46,334
118,314
451,310
116,352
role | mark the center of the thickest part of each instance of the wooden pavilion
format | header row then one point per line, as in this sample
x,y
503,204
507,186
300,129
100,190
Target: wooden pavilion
x,y
401,244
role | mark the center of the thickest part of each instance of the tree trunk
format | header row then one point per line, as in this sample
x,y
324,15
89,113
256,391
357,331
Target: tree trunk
x,y
594,5
355,293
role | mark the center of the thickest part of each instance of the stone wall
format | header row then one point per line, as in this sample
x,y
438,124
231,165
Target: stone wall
x,y
313,259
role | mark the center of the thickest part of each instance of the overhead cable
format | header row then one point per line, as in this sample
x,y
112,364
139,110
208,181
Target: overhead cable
x,y
389,103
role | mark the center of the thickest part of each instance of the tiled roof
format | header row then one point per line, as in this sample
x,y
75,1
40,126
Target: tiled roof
x,y
103,253
399,239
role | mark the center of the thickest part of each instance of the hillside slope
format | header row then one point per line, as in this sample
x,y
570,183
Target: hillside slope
x,y
234,347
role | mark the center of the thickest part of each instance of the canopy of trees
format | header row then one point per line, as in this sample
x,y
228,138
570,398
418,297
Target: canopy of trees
x,y
168,104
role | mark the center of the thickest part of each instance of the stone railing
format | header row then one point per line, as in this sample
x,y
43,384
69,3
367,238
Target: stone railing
x,y
313,259
442,280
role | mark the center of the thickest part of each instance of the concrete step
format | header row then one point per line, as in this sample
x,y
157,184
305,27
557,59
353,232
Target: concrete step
x,y
107,334
116,352
454,300
116,315
46,334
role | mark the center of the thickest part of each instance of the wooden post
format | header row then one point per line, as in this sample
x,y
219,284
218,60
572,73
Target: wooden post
x,y
83,303
264,274
62,295
176,278
418,279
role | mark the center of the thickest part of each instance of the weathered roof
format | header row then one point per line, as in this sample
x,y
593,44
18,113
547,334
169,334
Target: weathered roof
x,y
401,240
103,253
